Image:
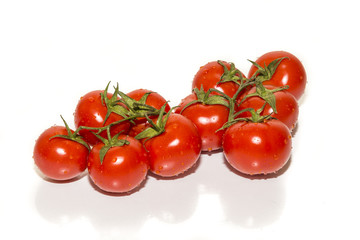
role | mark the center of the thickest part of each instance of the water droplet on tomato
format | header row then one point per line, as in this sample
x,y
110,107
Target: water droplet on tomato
x,y
91,99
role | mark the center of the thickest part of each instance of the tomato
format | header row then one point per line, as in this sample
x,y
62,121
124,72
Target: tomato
x,y
286,106
123,168
91,112
59,158
154,100
209,76
176,149
290,72
208,119
257,148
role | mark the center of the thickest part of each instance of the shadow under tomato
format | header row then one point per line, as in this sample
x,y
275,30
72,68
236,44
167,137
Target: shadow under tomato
x,y
246,201
294,130
125,213
114,194
258,176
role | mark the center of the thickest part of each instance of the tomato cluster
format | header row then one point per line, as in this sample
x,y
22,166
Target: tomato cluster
x,y
120,137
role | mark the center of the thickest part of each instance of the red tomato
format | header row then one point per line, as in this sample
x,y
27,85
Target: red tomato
x,y
257,148
91,111
123,168
286,106
59,158
208,119
210,74
154,100
175,150
290,72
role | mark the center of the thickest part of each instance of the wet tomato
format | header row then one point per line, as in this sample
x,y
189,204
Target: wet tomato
x,y
59,158
123,168
208,120
290,72
91,112
176,149
257,148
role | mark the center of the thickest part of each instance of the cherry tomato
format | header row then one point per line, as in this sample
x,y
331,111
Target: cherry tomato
x,y
257,148
209,76
59,158
286,106
123,168
154,100
208,119
176,149
290,72
91,112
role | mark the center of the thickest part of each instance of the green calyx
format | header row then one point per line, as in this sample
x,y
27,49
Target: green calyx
x,y
207,98
126,106
138,109
262,74
231,75
157,128
112,104
265,73
110,142
73,136
266,94
256,117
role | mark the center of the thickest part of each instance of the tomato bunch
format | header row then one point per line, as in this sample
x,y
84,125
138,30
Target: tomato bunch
x,y
120,138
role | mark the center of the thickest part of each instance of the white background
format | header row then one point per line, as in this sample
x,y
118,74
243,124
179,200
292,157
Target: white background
x,y
52,52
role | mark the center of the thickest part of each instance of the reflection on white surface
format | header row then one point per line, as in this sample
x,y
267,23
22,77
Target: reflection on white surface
x,y
190,202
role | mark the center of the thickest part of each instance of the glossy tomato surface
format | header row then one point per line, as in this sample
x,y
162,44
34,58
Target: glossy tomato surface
x,y
209,75
123,168
175,150
208,119
91,112
290,72
59,158
286,106
257,148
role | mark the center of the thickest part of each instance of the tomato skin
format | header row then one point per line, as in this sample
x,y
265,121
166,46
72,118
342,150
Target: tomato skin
x,y
210,74
208,119
257,148
290,72
123,169
175,150
59,158
286,105
91,111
